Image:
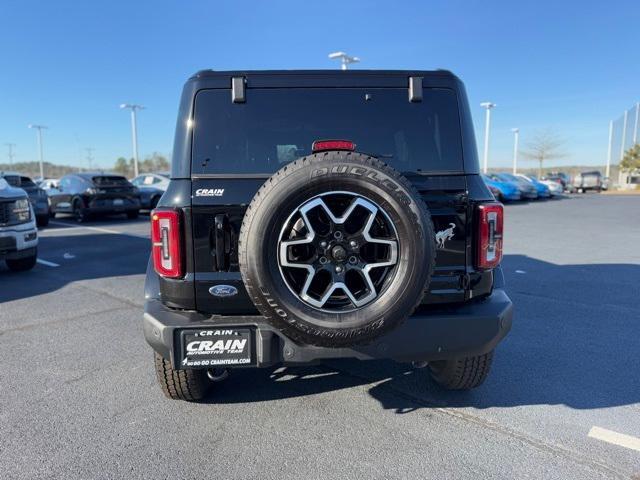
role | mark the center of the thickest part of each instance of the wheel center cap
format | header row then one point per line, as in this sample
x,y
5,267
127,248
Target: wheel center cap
x,y
339,253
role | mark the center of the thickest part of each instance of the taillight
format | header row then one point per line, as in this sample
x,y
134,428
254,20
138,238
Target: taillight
x,y
166,243
490,227
322,145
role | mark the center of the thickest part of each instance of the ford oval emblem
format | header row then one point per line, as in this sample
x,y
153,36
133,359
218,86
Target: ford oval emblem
x,y
223,291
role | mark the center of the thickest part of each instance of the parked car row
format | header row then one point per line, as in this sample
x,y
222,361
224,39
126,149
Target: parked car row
x,y
581,183
25,205
510,187
85,195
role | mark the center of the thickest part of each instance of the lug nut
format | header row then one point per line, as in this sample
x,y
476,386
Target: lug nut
x,y
339,269
323,244
353,244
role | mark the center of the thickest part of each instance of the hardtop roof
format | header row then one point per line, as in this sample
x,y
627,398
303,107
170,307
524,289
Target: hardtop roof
x,y
324,78
337,73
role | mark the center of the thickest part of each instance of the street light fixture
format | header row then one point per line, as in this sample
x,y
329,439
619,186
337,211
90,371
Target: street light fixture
x,y
345,59
487,127
39,129
516,135
134,133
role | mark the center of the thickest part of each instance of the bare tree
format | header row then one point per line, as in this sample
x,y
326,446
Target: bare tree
x,y
545,145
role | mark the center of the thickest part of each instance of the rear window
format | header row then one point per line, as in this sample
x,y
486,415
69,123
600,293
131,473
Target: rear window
x,y
27,182
276,126
13,180
109,180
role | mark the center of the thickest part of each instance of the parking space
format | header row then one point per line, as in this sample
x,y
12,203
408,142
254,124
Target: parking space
x,y
78,397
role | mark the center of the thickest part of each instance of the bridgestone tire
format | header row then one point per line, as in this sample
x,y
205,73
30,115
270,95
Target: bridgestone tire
x,y
303,180
461,373
190,385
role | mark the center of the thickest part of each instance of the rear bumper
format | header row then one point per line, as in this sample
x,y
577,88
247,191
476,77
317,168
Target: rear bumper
x,y
107,206
430,334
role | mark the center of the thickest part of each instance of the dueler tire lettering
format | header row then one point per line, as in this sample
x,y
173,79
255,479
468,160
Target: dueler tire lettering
x,y
307,178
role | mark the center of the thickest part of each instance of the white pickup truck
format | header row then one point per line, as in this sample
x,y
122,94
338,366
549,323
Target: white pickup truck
x,y
18,232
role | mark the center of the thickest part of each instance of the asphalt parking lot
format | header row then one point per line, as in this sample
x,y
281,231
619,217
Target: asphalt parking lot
x,y
78,396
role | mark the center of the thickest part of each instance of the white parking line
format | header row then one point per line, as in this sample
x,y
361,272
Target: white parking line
x,y
98,229
47,263
615,438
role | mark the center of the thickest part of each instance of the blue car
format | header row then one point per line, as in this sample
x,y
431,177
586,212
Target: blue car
x,y
527,189
542,189
502,190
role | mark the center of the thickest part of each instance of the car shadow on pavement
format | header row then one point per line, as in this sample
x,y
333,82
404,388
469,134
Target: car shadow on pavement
x,y
79,256
574,341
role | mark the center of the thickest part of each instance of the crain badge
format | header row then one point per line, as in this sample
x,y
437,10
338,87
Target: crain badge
x,y
444,235
223,291
209,192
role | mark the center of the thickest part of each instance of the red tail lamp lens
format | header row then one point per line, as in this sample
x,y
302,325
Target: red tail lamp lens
x,y
490,231
166,243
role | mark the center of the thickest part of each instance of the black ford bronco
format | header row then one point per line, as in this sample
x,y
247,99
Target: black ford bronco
x,y
324,214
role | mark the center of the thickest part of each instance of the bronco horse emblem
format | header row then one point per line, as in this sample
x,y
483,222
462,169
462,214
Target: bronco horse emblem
x,y
444,235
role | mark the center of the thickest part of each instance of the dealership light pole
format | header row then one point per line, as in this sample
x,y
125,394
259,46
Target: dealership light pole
x,y
635,128
345,59
39,129
608,169
11,154
487,127
516,136
134,133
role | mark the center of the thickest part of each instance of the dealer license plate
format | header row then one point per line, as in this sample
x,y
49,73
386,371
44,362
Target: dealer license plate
x,y
216,347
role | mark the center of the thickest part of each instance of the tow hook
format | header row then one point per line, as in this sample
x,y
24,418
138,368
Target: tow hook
x,y
217,374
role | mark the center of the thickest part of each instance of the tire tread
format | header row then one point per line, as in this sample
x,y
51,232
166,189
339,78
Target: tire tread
x,y
189,385
462,373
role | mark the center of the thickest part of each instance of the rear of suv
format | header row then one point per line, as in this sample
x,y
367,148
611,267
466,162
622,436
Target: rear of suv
x,y
317,215
85,195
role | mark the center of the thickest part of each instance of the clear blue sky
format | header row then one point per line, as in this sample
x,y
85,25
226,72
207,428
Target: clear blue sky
x,y
568,65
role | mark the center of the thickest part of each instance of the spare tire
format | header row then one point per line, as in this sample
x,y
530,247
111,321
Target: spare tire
x,y
336,249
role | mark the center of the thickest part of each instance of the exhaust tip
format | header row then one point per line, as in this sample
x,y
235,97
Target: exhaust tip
x,y
218,374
